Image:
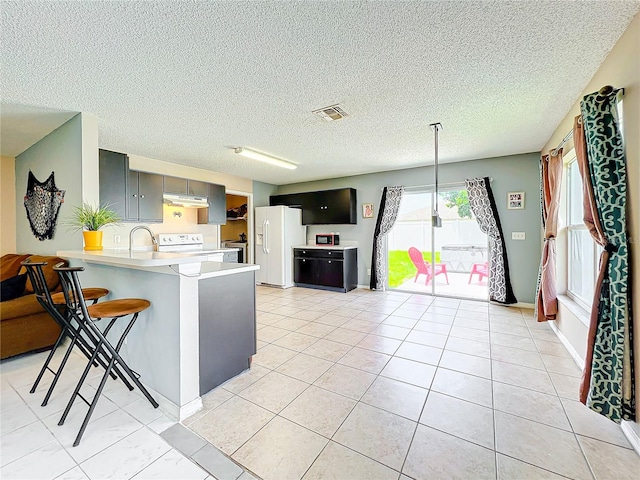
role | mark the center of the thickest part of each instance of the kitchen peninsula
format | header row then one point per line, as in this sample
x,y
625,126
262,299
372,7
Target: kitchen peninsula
x,y
200,329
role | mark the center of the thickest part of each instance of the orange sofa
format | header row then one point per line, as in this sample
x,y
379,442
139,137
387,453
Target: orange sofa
x,y
24,325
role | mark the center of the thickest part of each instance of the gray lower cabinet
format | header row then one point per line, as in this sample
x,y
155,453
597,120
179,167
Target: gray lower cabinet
x,y
230,257
227,327
335,270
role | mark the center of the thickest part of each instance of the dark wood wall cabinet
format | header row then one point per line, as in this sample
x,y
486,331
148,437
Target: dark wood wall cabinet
x,y
135,196
335,270
324,207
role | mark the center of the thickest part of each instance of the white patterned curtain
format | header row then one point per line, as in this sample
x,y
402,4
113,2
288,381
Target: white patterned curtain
x,y
387,214
484,208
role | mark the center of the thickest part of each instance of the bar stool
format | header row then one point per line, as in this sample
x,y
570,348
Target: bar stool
x,y
86,317
52,303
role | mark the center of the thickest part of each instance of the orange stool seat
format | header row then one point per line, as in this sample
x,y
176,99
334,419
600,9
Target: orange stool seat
x,y
92,293
118,308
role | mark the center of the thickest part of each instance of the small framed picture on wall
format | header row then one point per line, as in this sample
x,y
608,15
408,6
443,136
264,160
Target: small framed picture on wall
x,y
367,210
515,200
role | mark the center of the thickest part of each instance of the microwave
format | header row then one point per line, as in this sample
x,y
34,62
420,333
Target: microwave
x,y
330,239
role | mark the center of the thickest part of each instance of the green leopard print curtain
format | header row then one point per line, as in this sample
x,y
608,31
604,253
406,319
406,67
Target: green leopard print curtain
x,y
608,383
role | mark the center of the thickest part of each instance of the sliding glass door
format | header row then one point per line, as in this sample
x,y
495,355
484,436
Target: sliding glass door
x,y
446,261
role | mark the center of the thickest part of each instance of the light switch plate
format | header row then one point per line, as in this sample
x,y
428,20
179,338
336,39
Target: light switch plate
x,y
517,236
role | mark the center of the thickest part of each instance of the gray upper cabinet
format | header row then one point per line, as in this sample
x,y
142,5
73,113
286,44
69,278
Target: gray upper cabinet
x,y
183,186
113,170
217,212
200,189
149,197
135,196
175,185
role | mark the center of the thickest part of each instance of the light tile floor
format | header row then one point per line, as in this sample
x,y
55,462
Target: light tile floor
x,y
126,437
373,385
364,385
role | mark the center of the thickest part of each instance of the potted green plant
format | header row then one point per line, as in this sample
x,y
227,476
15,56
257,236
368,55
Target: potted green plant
x,y
90,219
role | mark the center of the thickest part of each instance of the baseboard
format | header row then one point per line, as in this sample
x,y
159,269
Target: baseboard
x,y
631,430
172,410
572,351
528,306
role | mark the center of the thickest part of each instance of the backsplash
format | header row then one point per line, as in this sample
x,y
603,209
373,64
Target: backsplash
x,y
174,220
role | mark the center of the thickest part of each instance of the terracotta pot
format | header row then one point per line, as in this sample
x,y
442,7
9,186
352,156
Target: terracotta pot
x,y
92,240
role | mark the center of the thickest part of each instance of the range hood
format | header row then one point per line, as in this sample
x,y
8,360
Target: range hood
x,y
187,201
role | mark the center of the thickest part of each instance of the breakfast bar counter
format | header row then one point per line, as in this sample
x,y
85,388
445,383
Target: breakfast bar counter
x,y
200,329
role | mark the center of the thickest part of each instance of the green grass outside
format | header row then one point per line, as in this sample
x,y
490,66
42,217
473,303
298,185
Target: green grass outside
x,y
401,268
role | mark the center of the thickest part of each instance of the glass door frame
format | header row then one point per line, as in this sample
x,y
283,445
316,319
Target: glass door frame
x,y
430,189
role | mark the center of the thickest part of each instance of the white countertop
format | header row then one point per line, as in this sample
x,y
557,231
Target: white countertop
x,y
196,265
135,258
326,247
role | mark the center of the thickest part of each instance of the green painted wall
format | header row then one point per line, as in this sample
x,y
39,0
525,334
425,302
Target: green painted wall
x,y
261,193
510,173
60,152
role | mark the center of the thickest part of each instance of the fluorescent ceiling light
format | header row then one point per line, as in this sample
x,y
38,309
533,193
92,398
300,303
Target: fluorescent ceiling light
x,y
262,157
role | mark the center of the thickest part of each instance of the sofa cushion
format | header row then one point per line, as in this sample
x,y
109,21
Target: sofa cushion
x,y
12,287
50,276
10,265
20,307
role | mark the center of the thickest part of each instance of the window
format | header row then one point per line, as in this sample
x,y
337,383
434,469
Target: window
x,y
582,251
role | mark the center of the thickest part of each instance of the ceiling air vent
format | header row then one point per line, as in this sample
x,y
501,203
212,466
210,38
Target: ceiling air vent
x,y
329,114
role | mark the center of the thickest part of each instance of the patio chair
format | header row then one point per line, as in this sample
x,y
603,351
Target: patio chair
x,y
480,269
424,268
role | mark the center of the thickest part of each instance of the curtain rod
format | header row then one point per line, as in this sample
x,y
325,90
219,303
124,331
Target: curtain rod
x,y
450,184
606,90
564,140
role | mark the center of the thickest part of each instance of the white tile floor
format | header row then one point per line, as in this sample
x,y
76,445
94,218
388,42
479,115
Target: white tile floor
x,y
395,385
350,386
121,441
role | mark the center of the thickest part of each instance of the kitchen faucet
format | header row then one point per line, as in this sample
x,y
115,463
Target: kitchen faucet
x,y
143,227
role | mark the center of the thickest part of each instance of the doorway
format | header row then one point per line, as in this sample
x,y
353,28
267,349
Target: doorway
x,y
238,231
455,255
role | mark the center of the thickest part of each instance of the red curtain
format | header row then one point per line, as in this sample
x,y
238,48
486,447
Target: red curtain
x,y
551,176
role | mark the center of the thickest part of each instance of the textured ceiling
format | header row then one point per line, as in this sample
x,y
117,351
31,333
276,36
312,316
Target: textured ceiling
x,y
186,81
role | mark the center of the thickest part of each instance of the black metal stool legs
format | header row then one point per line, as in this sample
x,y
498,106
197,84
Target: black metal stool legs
x,y
51,304
85,318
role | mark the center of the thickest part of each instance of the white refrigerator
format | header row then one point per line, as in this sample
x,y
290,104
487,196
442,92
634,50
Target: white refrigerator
x,y
278,229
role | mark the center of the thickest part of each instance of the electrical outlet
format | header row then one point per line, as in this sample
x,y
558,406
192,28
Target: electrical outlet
x,y
116,239
369,271
517,236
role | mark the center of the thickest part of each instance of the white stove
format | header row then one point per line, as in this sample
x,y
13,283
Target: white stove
x,y
186,243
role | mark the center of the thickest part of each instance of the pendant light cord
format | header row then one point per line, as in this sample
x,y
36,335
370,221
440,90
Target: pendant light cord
x,y
436,216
